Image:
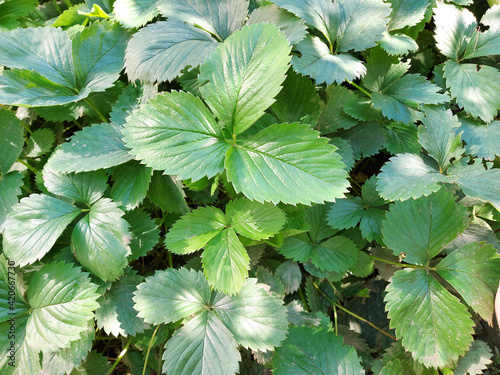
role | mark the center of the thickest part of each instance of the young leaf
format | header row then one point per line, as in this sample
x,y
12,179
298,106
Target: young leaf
x,y
131,183
442,327
34,225
258,56
11,139
421,228
10,189
288,152
135,13
100,240
312,350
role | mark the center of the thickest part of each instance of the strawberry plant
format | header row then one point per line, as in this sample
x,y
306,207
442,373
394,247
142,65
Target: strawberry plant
x,y
248,186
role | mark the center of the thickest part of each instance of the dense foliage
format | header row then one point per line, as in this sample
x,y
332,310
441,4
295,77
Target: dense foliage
x,y
232,186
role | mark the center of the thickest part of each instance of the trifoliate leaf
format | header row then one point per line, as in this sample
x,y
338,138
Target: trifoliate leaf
x,y
487,42
318,62
256,319
11,139
433,325
135,13
475,361
171,295
402,139
421,228
226,262
33,226
100,240
116,314
365,139
254,220
473,271
258,167
313,351
10,189
332,117
144,233
62,299
84,187
131,183
177,133
203,346
293,27
408,176
194,230
482,140
290,276
438,136
474,88
220,17
167,193
40,142
161,50
259,56
397,44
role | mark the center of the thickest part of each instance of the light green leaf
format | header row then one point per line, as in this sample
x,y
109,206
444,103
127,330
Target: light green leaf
x,y
407,176
473,270
487,42
290,276
288,152
332,117
254,220
256,319
194,230
422,228
203,346
258,55
10,189
87,187
116,314
177,133
315,351
482,140
131,183
62,300
161,50
293,27
318,62
475,90
11,139
135,13
40,142
433,325
438,136
144,232
171,295
100,240
397,44
219,17
226,262
406,13
167,193
33,226
475,361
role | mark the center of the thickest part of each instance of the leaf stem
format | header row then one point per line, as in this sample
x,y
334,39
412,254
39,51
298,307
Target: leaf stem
x,y
360,88
58,8
304,301
402,264
124,351
96,110
335,304
149,349
27,166
68,3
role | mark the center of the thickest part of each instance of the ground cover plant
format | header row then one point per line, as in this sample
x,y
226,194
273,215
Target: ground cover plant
x,y
231,186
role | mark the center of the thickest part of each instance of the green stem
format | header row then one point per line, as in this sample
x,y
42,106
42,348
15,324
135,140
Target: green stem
x,y
360,88
402,264
306,307
99,113
335,304
68,3
27,165
170,262
149,349
335,319
58,8
124,351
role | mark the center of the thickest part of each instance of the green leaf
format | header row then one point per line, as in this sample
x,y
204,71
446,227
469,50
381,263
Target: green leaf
x,y
226,262
135,13
100,240
10,308
293,27
144,233
254,220
288,152
10,10
365,139
116,314
488,42
406,13
433,325
397,44
332,117
346,213
161,50
11,139
265,276
62,299
475,90
481,140
290,276
176,132
438,136
40,142
256,319
402,139
167,193
194,230
316,217
421,228
408,176
10,189
84,187
318,62
475,361
131,183
33,226
473,270
219,17
171,295
258,55
95,364
315,351
203,346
